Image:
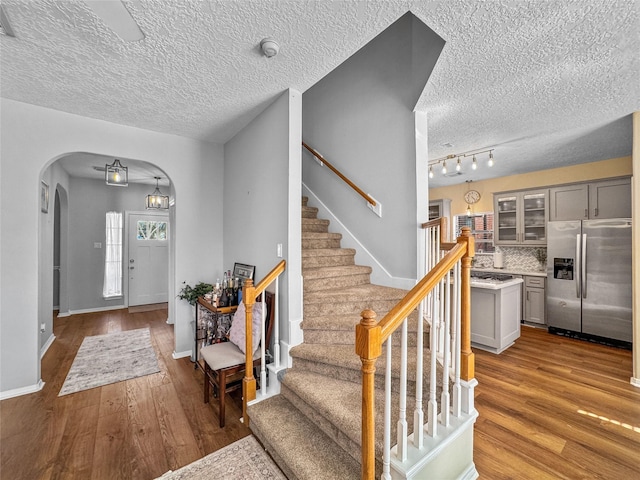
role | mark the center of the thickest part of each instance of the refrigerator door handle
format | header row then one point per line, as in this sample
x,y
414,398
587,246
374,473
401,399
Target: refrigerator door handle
x,y
583,262
578,269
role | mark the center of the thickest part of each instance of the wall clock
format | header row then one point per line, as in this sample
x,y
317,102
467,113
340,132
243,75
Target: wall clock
x,y
471,197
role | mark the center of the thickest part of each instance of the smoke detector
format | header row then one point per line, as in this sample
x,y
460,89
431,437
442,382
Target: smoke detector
x,y
269,47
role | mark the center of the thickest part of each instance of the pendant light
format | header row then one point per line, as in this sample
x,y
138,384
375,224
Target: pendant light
x,y
116,175
156,200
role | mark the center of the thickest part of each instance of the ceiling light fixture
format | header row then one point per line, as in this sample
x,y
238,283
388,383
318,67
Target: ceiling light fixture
x,y
156,200
269,47
460,156
116,175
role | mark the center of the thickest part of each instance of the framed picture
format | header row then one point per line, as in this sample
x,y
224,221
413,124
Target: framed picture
x,y
44,197
240,270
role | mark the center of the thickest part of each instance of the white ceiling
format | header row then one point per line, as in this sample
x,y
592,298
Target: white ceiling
x,y
545,83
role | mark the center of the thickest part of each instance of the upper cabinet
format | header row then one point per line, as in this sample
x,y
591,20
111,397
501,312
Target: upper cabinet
x,y
520,218
603,199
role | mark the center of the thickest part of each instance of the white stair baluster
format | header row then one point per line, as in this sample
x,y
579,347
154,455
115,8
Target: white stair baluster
x,y
402,420
418,413
386,452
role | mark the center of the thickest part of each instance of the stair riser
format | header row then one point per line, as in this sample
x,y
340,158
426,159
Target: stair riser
x,y
328,261
320,243
348,337
350,375
305,201
309,212
273,452
354,308
311,285
315,228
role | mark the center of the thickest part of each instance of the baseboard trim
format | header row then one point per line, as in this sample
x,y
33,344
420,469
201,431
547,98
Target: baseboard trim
x,y
64,314
46,346
176,355
379,274
17,392
94,310
635,382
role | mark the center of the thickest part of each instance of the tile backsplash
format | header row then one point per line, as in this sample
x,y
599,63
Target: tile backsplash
x,y
515,258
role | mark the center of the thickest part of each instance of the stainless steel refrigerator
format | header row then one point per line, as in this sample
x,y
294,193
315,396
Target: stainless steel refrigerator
x,y
589,277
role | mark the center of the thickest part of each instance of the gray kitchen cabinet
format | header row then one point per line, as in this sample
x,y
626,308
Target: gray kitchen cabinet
x,y
520,218
594,200
442,208
534,300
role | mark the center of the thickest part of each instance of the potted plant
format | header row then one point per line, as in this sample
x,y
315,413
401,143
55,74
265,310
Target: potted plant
x,y
191,294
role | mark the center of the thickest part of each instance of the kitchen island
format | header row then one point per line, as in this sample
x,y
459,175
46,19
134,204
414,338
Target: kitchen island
x,y
496,311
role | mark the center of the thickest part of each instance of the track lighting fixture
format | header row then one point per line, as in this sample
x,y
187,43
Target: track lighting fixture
x,y
460,157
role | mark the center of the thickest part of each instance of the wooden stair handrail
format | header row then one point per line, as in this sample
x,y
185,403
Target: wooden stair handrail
x,y
371,335
339,174
444,236
249,295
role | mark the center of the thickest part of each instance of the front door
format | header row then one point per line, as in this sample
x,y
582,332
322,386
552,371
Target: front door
x,y
148,261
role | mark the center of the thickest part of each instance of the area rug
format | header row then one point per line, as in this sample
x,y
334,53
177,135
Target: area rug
x,y
111,358
242,460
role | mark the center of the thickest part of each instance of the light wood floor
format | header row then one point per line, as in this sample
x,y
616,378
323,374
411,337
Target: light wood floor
x,y
137,429
550,407
553,407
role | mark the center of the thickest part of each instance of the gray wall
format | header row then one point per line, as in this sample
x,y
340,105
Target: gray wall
x,y
261,206
89,201
360,117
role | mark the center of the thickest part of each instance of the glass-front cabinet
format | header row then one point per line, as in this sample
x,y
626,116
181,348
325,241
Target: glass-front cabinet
x,y
521,217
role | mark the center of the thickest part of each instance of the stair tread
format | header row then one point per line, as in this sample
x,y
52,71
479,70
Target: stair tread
x,y
312,235
334,271
326,252
357,292
307,451
344,356
348,322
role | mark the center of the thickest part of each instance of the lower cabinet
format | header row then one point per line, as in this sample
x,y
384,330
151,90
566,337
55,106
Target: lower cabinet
x,y
495,317
534,300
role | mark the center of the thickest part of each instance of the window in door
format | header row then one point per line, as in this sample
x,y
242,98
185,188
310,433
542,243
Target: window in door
x,y
151,230
481,225
113,256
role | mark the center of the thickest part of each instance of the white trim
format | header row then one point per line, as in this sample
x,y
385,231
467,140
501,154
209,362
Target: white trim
x,y
46,345
176,355
16,392
635,382
379,274
94,310
63,314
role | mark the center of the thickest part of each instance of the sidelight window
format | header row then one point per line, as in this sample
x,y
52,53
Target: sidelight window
x,y
113,256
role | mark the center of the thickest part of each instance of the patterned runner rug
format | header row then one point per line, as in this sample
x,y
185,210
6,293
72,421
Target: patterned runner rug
x,y
242,460
111,358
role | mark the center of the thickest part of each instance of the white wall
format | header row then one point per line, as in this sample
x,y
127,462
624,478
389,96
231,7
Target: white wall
x,y
32,138
263,201
360,118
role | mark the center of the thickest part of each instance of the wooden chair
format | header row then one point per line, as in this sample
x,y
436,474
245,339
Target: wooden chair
x,y
224,363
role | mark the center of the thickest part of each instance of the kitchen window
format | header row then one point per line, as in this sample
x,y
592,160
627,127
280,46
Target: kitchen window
x,y
481,225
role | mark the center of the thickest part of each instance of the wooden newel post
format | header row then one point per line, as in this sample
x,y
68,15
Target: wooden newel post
x,y
467,367
368,348
249,381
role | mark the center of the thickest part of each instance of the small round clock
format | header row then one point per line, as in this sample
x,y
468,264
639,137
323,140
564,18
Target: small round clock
x,y
472,196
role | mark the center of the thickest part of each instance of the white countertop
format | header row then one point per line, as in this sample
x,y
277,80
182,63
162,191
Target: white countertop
x,y
494,284
509,271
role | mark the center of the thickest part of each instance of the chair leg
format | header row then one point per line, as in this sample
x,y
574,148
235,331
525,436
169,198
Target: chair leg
x,y
222,390
206,382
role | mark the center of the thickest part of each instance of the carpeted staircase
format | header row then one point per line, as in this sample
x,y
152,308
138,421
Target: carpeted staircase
x,y
313,428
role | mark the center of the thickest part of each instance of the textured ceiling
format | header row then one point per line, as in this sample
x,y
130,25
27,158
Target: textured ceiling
x,y
545,83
